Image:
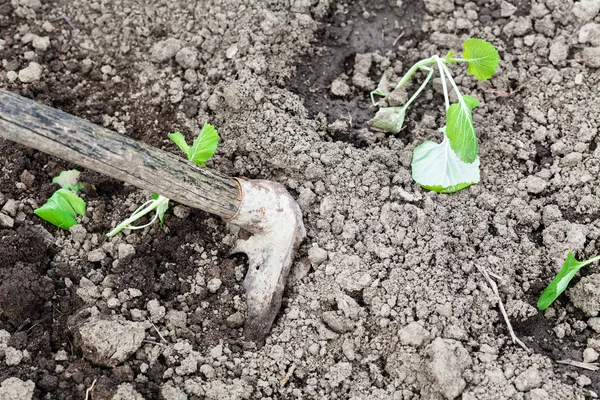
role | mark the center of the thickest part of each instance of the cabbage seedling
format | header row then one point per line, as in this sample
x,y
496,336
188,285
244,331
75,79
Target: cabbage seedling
x,y
559,284
453,164
199,152
64,205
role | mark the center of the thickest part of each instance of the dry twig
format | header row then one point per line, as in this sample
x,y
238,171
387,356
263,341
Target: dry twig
x,y
494,287
579,364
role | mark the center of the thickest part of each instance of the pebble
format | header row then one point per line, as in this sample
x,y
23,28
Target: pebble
x,y
188,58
216,351
591,56
214,285
181,211
11,76
13,356
6,221
235,320
590,355
96,255
317,255
164,50
157,312
11,207
78,233
61,355
535,184
32,73
125,251
41,43
336,322
528,379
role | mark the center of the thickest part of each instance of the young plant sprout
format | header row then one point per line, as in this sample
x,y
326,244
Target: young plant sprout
x,y
200,152
453,164
559,284
64,205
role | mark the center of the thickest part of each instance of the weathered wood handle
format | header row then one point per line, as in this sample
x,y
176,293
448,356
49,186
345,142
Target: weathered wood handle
x,y
76,140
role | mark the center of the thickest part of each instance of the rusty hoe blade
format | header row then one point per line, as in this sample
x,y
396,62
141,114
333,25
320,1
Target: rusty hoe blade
x,y
273,217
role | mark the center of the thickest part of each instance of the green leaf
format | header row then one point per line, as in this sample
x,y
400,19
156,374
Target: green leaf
x,y
558,285
76,202
436,167
388,119
69,180
460,130
179,140
60,209
204,146
483,58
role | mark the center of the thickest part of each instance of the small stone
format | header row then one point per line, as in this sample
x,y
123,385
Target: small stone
x,y
590,355
317,255
528,379
559,52
217,351
126,251
6,221
340,88
413,334
157,312
594,323
31,74
113,303
235,320
11,207
133,292
590,33
586,10
41,43
11,76
96,255
535,184
48,27
164,50
507,9
176,318
181,211
583,380
78,233
188,58
109,343
61,355
88,292
207,371
591,56
13,356
16,389
214,285
27,178
336,322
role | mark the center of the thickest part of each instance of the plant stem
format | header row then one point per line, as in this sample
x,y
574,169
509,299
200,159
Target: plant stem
x,y
137,214
591,260
444,86
447,71
413,69
420,89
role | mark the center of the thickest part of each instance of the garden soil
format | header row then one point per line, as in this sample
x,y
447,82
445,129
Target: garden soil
x,y
385,299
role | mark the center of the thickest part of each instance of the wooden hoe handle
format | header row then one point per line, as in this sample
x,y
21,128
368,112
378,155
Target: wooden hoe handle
x,y
76,140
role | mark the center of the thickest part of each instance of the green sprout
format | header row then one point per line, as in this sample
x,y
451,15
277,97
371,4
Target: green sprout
x,y
200,152
453,164
559,284
62,208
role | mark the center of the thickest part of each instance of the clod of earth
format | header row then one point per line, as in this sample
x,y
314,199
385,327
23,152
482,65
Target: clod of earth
x,y
260,207
108,343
